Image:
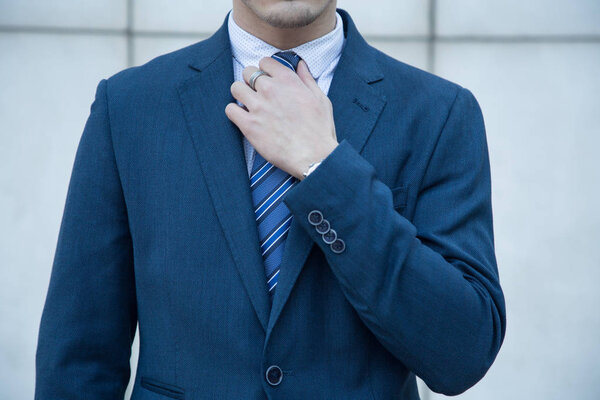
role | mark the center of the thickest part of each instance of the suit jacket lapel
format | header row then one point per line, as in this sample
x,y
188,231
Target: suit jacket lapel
x,y
356,108
219,147
218,144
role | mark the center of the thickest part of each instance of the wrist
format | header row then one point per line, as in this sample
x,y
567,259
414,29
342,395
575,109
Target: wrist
x,y
311,168
313,163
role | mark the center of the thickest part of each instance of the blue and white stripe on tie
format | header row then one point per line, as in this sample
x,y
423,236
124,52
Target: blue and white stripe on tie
x,y
269,185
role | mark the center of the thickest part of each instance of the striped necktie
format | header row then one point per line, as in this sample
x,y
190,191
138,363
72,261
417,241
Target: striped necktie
x,y
269,185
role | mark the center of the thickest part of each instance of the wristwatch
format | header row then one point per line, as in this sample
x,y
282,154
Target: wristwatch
x,y
311,168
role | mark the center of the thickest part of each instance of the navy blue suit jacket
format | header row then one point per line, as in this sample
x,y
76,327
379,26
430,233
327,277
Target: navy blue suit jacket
x,y
158,228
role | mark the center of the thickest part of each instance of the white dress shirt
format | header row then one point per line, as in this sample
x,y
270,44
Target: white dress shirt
x,y
321,55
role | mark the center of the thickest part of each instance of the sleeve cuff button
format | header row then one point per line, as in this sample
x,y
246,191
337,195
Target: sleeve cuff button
x,y
330,236
315,217
323,227
338,246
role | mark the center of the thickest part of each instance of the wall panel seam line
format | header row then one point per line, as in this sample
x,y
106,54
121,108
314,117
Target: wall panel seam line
x,y
550,39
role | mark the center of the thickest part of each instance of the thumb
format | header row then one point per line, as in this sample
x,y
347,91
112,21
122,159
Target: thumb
x,y
307,78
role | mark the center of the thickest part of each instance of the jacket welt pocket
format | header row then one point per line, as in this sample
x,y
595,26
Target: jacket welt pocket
x,y
400,197
155,386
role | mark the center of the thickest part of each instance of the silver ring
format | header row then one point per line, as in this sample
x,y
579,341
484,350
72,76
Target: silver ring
x,y
254,77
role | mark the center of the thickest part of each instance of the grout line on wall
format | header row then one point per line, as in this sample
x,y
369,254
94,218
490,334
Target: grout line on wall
x,y
129,34
431,36
518,38
62,30
403,38
387,38
171,34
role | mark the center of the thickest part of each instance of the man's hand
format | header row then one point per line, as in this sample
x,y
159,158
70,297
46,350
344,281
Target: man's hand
x,y
288,120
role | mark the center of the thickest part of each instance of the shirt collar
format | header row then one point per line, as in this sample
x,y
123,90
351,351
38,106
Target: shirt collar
x,y
318,54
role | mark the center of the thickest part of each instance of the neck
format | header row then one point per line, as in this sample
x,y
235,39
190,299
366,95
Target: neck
x,y
283,38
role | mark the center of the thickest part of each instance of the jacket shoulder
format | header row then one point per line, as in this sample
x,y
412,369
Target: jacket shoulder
x,y
162,73
404,79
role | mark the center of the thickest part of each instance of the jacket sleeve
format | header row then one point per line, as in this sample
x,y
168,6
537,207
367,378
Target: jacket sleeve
x,y
427,289
89,318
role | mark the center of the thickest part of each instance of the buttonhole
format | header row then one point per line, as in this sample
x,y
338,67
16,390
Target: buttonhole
x,y
361,105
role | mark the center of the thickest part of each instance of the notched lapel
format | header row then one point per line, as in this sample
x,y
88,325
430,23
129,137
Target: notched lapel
x,y
219,147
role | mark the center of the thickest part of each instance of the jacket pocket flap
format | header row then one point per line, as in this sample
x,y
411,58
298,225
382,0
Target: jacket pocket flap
x,y
155,386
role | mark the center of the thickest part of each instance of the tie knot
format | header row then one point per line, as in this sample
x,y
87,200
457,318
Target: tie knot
x,y
288,58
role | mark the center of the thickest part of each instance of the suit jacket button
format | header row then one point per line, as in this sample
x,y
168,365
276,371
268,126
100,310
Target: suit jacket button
x,y
323,227
274,375
330,236
315,217
338,246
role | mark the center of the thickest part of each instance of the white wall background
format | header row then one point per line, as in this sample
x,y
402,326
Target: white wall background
x,y
533,65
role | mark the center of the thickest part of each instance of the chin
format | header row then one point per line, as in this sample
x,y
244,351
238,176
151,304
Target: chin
x,y
288,14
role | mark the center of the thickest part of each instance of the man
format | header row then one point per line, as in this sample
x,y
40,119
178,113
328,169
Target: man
x,y
272,241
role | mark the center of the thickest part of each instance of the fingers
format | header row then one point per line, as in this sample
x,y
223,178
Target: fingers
x,y
237,114
308,79
274,68
258,82
242,93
